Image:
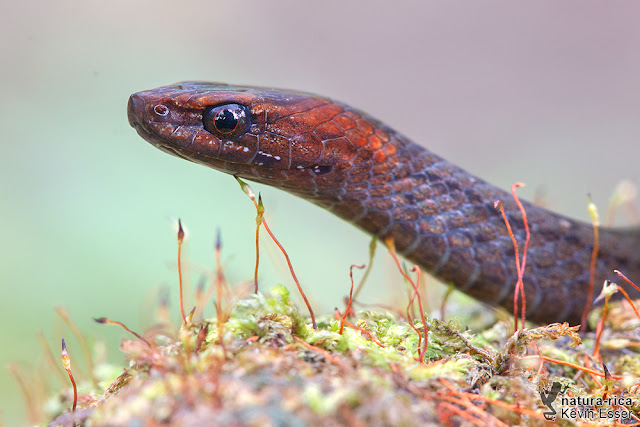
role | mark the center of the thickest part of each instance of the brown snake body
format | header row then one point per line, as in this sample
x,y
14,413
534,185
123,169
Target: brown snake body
x,y
439,216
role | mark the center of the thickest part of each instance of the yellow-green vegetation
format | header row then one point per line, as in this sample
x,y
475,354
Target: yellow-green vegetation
x,y
266,365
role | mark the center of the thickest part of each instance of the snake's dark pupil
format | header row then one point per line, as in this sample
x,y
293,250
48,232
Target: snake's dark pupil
x,y
226,121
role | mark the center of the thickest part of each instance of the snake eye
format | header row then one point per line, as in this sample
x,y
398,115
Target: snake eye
x,y
226,121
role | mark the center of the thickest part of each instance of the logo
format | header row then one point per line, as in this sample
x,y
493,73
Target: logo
x,y
548,396
585,408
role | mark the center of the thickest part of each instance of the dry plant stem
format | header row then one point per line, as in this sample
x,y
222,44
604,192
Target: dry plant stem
x,y
180,240
66,362
249,192
348,309
50,359
81,340
498,205
592,266
372,252
105,321
392,250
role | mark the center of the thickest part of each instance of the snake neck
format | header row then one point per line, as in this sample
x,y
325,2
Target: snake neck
x,y
444,219
438,215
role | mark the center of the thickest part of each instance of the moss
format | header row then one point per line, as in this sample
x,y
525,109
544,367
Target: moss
x,y
253,369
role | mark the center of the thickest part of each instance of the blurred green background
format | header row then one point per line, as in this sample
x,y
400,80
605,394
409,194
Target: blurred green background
x,y
542,92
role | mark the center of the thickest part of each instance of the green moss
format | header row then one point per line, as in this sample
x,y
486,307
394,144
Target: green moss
x,y
258,372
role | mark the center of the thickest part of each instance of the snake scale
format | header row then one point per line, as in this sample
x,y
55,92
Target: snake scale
x,y
439,216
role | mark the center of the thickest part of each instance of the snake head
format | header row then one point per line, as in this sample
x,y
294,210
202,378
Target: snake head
x,y
290,139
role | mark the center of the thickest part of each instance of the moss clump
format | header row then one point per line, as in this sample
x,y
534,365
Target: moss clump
x,y
266,366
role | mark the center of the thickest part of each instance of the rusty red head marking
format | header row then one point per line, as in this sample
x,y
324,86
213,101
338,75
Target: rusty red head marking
x,y
268,135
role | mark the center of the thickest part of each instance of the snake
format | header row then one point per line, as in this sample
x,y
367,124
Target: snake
x,y
437,215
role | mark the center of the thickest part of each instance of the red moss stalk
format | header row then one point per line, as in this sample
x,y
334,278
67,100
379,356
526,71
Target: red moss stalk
x,y
593,212
519,285
626,279
249,192
606,293
84,346
180,240
66,362
364,332
259,219
416,294
524,250
372,252
106,321
348,309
